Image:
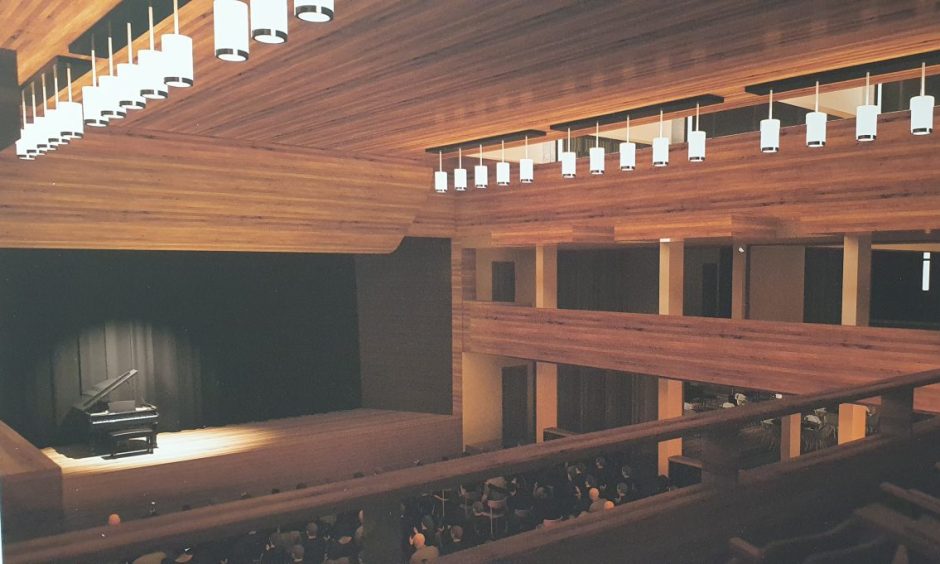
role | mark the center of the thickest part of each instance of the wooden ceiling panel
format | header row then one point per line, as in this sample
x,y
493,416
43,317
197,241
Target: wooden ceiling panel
x,y
403,76
121,190
38,30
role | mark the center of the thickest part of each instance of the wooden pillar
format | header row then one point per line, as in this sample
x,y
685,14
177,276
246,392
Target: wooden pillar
x,y
671,285
856,300
739,281
897,412
381,532
790,427
546,373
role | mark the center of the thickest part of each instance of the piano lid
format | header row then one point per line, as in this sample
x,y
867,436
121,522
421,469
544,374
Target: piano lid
x,y
100,390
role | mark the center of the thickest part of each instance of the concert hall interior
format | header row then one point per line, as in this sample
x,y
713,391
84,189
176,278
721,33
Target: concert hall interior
x,y
418,281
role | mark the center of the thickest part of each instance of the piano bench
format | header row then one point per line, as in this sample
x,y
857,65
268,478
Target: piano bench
x,y
116,437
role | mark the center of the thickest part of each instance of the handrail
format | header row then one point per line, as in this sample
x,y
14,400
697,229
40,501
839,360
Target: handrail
x,y
236,517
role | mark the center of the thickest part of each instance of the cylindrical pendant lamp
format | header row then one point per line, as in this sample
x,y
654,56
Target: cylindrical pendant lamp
x,y
661,146
568,161
596,153
440,176
129,73
866,117
481,173
502,167
177,55
269,21
696,141
316,11
230,20
816,125
460,173
152,71
922,107
627,152
770,130
526,166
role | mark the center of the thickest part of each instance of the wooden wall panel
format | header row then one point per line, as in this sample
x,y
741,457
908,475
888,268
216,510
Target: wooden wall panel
x,y
738,191
404,309
122,190
31,487
779,357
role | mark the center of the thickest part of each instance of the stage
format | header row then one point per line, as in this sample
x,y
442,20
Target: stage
x,y
204,466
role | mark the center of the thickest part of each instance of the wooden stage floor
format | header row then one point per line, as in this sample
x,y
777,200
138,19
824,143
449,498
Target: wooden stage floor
x,y
204,466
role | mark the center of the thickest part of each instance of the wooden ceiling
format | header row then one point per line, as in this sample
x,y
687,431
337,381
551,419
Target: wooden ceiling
x,y
402,76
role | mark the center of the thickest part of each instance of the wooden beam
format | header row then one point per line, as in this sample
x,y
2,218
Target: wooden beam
x,y
791,358
790,428
856,300
671,288
739,252
157,191
546,374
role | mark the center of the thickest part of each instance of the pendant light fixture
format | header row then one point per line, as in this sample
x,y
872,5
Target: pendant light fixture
x,y
177,54
49,126
111,107
597,152
502,167
92,96
24,149
129,73
269,21
770,130
627,152
56,123
440,176
696,141
481,173
460,173
568,161
866,117
151,65
661,146
230,19
316,11
70,113
816,125
922,107
526,166
39,137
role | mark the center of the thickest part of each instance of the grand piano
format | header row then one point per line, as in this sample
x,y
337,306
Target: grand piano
x,y
92,418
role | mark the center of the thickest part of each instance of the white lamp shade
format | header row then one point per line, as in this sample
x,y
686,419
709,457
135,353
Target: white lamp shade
x,y
502,173
111,90
440,181
526,171
769,135
317,11
130,97
23,145
922,115
53,131
71,122
661,151
460,179
696,146
39,138
177,60
866,123
597,160
627,156
816,129
568,164
91,106
230,20
269,21
151,75
480,176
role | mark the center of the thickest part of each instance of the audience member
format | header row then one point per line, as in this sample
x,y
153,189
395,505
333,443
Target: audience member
x,y
423,554
114,520
314,545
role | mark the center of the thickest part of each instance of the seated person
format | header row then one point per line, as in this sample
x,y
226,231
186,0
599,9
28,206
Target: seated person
x,y
423,554
314,545
453,540
597,502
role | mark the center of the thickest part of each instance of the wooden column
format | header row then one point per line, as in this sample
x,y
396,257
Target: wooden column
x,y
739,282
671,284
790,427
897,412
856,300
546,373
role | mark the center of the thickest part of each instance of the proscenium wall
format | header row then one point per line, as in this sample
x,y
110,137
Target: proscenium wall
x,y
405,327
218,337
